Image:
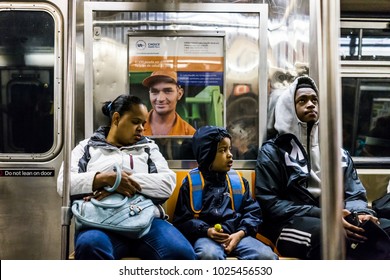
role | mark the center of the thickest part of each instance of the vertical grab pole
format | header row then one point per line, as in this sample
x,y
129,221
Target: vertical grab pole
x,y
330,131
68,128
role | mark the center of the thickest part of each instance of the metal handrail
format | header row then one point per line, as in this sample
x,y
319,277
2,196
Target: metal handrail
x,y
68,127
333,241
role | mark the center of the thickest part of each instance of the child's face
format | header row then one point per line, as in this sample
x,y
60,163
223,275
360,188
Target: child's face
x,y
223,160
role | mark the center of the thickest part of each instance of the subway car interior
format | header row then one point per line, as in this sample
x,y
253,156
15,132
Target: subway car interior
x,y
60,60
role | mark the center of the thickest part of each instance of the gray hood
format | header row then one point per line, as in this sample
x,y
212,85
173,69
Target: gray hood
x,y
285,120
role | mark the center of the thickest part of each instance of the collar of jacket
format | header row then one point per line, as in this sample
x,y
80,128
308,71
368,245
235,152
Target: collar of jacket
x,y
215,177
98,139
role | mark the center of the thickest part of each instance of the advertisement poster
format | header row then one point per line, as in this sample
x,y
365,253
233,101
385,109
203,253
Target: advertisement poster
x,y
198,63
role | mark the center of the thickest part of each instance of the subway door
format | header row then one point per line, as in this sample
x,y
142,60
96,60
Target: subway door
x,y
31,52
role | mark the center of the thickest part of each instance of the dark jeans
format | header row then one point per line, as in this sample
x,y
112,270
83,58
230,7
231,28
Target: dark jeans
x,y
163,242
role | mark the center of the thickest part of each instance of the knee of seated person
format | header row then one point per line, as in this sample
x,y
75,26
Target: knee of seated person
x,y
183,253
263,256
210,254
91,239
268,255
92,245
260,253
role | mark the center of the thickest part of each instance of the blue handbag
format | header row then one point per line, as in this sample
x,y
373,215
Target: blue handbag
x,y
129,216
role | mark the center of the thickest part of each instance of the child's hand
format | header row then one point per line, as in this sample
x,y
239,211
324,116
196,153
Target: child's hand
x,y
233,240
217,236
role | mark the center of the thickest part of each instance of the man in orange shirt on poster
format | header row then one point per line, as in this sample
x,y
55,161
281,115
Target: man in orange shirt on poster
x,y
164,93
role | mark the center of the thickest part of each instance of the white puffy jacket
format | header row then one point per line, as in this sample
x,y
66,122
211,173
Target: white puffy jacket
x,y
143,159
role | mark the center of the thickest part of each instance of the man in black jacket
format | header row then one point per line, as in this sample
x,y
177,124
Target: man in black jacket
x,y
288,178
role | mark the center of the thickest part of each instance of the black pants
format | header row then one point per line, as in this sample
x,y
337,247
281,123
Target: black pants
x,y
301,238
385,224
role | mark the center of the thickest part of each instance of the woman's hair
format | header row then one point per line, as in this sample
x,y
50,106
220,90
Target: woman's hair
x,y
121,104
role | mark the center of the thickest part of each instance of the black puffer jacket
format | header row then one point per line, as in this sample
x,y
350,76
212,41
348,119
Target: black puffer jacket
x,y
216,201
288,174
281,185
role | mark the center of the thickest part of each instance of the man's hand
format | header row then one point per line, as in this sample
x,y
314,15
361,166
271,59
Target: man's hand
x,y
353,233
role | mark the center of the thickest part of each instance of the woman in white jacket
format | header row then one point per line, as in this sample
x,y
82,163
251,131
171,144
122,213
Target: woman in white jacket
x,y
144,170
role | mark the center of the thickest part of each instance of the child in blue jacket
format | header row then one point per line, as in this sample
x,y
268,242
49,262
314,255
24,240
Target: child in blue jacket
x,y
214,211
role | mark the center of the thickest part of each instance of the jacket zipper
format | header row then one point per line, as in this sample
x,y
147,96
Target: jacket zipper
x,y
131,162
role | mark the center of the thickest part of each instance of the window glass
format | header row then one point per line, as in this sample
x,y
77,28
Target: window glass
x,y
26,78
233,102
365,44
366,116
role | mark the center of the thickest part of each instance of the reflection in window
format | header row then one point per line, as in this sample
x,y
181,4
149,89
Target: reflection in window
x,y
26,77
242,122
241,65
366,124
365,44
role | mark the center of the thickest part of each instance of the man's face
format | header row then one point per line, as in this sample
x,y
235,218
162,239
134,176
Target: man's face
x,y
164,97
306,105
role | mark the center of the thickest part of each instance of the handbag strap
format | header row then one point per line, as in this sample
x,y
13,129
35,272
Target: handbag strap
x,y
117,179
109,204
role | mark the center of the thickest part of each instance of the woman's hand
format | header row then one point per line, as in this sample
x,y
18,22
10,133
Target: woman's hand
x,y
127,186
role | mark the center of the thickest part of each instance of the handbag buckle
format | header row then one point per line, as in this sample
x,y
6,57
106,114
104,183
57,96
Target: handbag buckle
x,y
134,209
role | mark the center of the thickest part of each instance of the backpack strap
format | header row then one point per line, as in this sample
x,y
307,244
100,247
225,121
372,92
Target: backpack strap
x,y
196,184
236,187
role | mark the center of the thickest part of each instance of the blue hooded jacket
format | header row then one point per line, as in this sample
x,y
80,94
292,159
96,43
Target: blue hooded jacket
x,y
216,200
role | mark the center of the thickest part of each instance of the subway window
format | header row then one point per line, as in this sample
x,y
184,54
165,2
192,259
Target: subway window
x,y
28,78
365,62
217,57
370,42
366,116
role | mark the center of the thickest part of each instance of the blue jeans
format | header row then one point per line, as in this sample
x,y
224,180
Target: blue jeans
x,y
162,242
248,248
